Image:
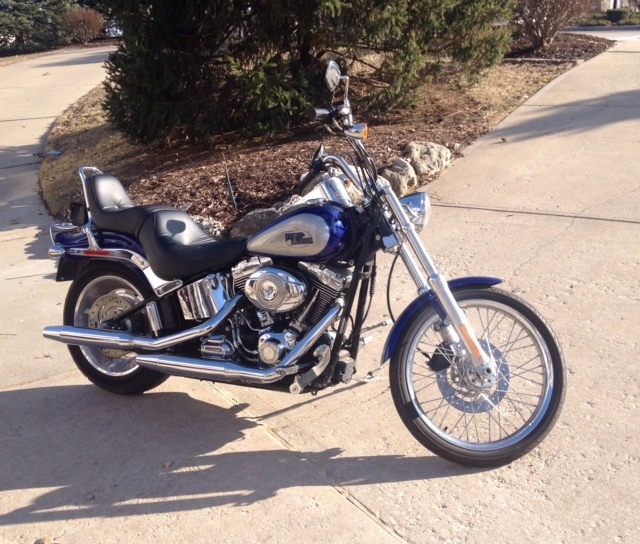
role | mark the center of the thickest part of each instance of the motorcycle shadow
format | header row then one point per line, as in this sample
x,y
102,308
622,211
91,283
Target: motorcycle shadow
x,y
74,452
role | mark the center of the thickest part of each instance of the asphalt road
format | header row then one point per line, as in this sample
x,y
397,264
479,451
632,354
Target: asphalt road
x,y
555,210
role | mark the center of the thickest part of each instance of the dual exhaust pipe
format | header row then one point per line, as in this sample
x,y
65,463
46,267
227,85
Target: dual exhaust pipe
x,y
203,369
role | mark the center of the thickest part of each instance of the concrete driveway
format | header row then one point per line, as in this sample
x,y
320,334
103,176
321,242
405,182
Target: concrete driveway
x,y
555,210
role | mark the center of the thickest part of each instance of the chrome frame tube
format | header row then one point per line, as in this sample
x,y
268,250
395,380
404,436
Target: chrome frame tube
x,y
85,181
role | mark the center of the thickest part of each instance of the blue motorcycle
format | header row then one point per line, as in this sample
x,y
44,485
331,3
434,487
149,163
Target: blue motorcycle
x,y
475,373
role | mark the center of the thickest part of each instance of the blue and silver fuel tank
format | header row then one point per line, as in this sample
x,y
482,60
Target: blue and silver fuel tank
x,y
314,233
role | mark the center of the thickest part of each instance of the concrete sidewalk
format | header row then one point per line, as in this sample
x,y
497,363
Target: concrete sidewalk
x,y
555,210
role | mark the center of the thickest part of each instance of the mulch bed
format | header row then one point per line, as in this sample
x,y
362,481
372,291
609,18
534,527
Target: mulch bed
x,y
263,171
563,47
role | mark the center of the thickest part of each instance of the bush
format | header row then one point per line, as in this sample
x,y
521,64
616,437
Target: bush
x,y
617,15
195,68
541,20
82,24
29,25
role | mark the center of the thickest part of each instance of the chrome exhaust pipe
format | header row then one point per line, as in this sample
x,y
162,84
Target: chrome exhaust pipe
x,y
202,369
123,341
226,371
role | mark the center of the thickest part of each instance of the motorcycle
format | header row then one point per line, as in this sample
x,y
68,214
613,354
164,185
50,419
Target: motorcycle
x,y
476,374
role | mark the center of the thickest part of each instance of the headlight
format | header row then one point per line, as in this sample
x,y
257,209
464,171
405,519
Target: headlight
x,y
418,209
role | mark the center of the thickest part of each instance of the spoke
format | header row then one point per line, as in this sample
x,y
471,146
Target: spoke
x,y
522,365
497,324
459,420
520,401
466,425
440,400
518,348
521,373
424,387
524,419
475,421
505,391
435,410
480,318
497,409
446,413
422,376
504,349
513,326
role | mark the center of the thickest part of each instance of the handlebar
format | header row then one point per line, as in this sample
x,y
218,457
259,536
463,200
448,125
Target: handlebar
x,y
323,113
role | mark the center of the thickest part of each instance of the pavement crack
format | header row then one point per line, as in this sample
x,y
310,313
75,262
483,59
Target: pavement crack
x,y
550,242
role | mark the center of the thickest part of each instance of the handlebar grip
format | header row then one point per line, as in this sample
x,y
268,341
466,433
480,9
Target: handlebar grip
x,y
320,114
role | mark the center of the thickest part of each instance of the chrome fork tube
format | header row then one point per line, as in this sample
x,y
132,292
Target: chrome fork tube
x,y
484,366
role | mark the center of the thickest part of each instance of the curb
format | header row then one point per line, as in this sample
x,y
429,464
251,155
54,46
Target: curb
x,y
575,62
600,28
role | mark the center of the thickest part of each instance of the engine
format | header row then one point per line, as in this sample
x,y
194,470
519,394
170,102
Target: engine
x,y
287,302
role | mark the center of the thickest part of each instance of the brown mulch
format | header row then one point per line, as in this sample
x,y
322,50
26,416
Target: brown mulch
x,y
265,170
563,47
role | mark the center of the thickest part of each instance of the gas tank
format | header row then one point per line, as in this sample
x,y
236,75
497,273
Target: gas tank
x,y
314,233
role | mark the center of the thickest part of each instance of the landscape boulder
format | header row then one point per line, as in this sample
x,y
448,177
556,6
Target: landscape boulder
x,y
402,177
428,159
253,222
211,226
258,219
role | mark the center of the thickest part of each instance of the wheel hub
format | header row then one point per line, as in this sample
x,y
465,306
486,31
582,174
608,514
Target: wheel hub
x,y
460,386
108,307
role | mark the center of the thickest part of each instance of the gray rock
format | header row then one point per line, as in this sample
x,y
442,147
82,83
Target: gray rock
x,y
281,207
402,177
211,226
253,222
355,194
428,159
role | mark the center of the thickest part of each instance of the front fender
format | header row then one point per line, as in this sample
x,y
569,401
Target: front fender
x,y
470,282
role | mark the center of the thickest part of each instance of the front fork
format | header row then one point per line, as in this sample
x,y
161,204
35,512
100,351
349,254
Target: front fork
x,y
455,329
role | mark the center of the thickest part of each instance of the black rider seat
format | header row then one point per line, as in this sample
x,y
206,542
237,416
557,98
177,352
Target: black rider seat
x,y
112,209
175,246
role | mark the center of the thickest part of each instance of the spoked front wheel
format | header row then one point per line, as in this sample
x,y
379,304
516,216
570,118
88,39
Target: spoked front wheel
x,y
453,416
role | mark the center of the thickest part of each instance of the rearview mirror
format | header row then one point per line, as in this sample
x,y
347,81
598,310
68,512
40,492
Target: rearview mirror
x,y
332,76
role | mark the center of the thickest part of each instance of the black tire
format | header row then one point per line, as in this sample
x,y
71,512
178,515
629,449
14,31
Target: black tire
x,y
101,293
524,403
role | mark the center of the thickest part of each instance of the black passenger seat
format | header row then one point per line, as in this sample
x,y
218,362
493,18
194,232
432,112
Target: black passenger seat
x,y
112,209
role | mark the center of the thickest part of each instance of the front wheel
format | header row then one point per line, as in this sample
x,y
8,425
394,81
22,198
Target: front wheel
x,y
470,424
98,296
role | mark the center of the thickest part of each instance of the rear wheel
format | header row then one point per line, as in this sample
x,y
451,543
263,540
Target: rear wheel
x,y
94,298
454,416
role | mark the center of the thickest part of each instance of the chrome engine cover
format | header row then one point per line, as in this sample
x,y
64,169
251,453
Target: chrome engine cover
x,y
275,290
204,298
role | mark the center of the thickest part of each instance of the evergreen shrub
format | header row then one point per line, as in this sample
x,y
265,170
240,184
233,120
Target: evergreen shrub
x,y
192,69
617,15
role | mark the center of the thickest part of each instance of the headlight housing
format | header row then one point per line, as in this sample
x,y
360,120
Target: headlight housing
x,y
418,209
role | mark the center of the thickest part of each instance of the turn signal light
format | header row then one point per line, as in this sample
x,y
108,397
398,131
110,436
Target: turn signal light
x,y
359,131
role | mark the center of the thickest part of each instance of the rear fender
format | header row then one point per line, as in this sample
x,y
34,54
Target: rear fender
x,y
71,266
428,298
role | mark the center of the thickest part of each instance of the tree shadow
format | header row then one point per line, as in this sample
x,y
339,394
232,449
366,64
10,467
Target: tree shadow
x,y
98,455
90,57
572,118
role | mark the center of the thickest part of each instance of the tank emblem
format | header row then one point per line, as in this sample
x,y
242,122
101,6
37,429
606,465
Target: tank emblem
x,y
297,238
